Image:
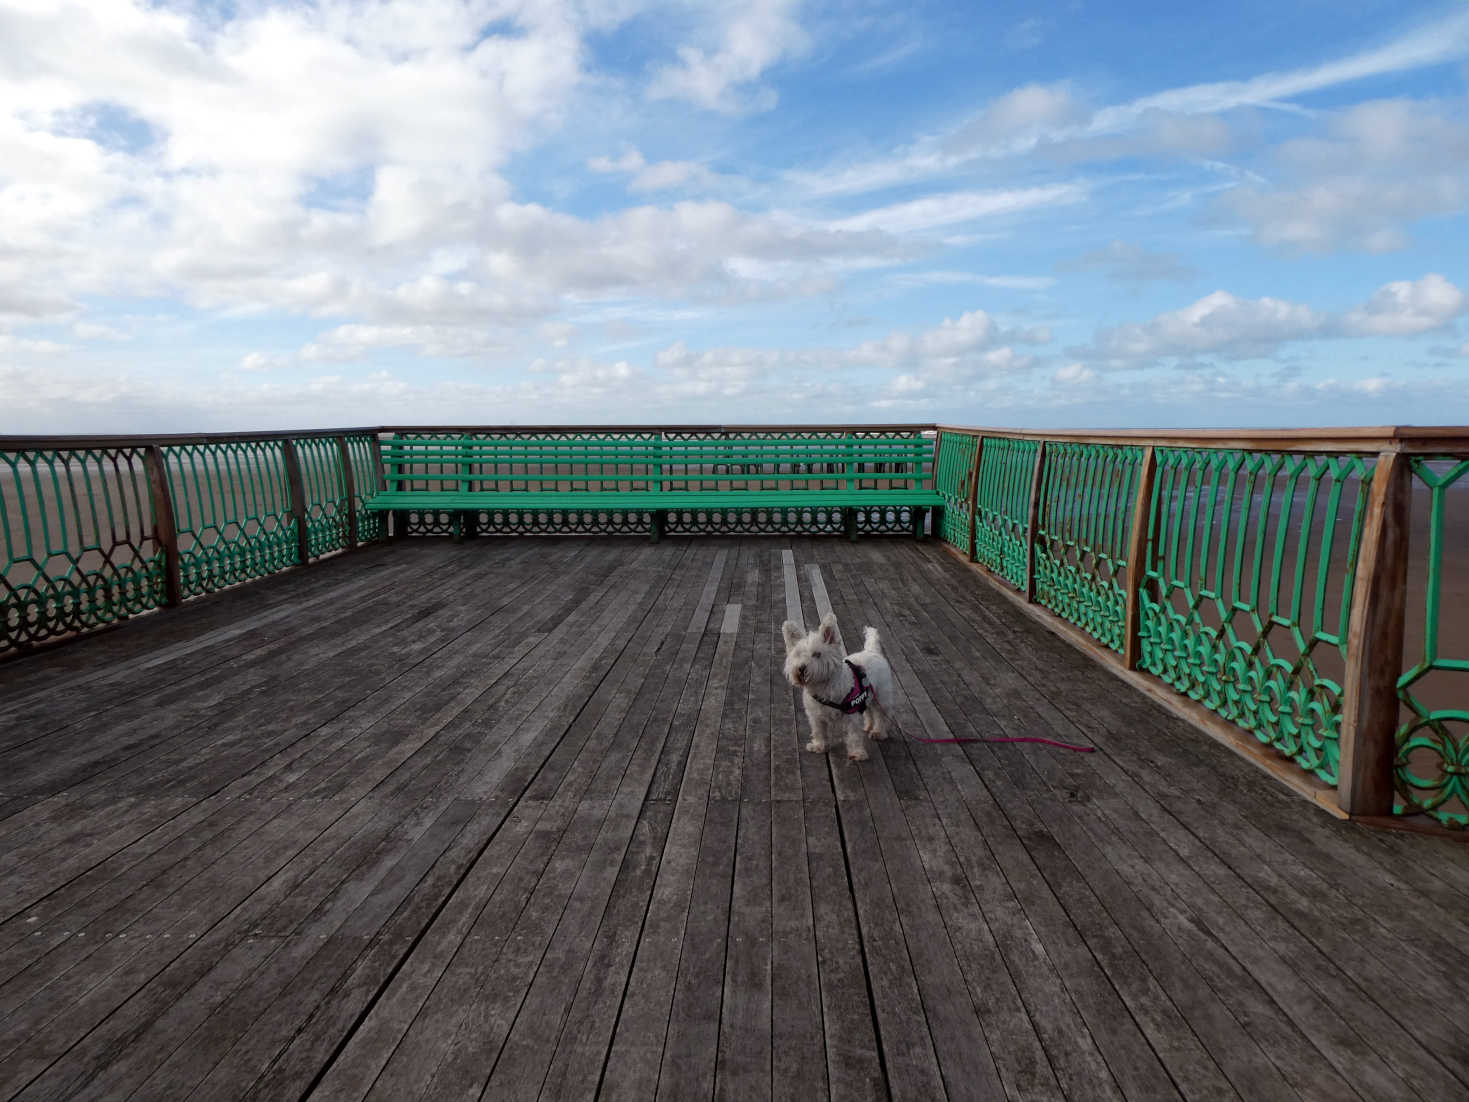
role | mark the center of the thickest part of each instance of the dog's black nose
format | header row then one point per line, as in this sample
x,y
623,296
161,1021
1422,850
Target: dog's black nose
x,y
801,672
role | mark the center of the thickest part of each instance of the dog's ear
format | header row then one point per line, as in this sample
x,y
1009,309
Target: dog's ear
x,y
829,631
792,632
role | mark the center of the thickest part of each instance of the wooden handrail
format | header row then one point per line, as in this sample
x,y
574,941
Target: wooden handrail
x,y
1412,439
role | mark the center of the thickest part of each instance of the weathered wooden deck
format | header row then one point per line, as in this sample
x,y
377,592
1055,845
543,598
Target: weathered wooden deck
x,y
529,818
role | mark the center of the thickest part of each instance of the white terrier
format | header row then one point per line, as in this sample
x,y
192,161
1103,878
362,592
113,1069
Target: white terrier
x,y
839,688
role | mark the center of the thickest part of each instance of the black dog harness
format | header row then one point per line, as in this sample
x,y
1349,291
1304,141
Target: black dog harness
x,y
862,693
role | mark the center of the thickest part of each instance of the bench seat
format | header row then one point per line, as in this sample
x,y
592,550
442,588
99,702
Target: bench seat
x,y
468,475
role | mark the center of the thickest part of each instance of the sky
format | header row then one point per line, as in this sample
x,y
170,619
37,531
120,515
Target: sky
x,y
254,214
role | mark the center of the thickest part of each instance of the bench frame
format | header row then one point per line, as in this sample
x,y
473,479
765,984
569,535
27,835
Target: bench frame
x,y
781,479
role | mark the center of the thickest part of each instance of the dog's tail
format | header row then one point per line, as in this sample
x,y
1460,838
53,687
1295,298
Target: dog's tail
x,y
870,641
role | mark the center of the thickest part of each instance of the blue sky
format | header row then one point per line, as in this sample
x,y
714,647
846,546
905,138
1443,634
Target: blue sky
x,y
255,214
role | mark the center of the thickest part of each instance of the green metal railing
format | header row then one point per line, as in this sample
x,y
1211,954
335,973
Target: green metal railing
x,y
1432,739
79,545
1084,520
1261,576
97,530
1307,590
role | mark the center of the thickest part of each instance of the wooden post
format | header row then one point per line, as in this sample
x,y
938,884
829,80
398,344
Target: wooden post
x,y
1375,644
1033,523
974,500
349,490
468,518
399,517
1137,567
165,526
298,499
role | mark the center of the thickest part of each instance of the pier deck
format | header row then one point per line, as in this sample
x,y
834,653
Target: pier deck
x,y
521,818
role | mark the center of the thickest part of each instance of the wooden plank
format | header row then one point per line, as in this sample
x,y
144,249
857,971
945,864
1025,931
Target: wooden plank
x,y
576,1064
633,1062
691,1047
528,1047
797,1056
1375,645
495,1000
963,1053
854,1063
1270,804
1066,1042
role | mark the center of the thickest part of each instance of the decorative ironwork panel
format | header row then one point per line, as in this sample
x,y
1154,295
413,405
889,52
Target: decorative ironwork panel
x,y
1002,508
371,524
326,494
1432,765
955,469
563,522
1247,590
78,542
826,520
232,508
1084,522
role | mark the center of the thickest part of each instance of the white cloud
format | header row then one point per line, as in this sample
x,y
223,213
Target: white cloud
x,y
1406,308
91,331
1028,33
958,207
1218,324
263,361
1381,166
351,342
659,176
1003,282
1036,116
1225,327
1127,262
756,35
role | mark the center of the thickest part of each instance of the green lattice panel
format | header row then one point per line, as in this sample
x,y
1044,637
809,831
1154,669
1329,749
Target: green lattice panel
x,y
325,490
1247,590
1002,507
1432,766
955,467
1084,523
232,508
78,550
371,524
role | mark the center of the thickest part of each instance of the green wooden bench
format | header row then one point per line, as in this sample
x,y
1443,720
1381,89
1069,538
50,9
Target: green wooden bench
x,y
463,476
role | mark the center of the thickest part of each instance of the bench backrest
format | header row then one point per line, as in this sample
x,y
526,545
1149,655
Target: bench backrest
x,y
590,463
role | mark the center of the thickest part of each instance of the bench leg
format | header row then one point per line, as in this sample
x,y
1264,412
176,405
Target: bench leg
x,y
400,524
471,523
920,513
660,521
849,518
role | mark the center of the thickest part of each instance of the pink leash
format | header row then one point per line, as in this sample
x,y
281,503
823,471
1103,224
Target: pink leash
x,y
1023,738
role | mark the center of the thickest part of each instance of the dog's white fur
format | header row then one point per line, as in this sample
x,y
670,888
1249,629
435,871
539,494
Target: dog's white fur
x,y
815,663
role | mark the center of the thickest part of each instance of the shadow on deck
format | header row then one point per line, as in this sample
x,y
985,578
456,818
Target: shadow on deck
x,y
530,818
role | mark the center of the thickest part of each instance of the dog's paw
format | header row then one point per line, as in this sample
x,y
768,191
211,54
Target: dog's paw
x,y
878,733
856,755
816,747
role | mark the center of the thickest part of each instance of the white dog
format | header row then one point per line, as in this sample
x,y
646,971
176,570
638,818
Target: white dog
x,y
838,688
